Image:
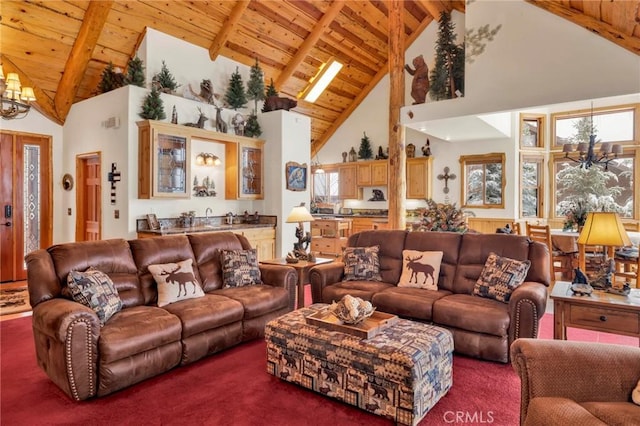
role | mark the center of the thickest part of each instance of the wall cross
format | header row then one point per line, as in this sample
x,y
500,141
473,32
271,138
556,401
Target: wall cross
x,y
446,176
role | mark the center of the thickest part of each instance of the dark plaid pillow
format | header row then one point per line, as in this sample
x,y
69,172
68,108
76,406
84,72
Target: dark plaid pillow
x,y
240,268
500,277
361,263
95,290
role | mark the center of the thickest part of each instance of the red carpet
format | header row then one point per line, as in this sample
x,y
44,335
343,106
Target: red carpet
x,y
233,388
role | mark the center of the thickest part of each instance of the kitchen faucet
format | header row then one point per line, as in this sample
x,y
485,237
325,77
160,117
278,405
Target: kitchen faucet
x,y
206,214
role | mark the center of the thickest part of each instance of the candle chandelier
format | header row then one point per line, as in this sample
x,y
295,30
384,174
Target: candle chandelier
x,y
587,153
15,99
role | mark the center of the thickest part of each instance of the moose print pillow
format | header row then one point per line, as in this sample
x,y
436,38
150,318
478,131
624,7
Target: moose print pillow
x,y
420,269
175,282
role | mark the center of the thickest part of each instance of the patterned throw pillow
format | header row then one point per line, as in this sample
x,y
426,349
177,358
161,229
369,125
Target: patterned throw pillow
x,y
500,276
420,269
240,268
95,290
175,282
361,263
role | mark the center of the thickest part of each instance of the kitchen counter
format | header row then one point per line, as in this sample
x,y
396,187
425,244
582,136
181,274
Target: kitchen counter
x,y
205,228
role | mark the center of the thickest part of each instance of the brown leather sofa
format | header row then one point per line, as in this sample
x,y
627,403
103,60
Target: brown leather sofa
x,y
481,327
576,383
143,340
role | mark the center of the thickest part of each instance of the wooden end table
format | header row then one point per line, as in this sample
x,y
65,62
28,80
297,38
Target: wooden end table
x,y
600,311
302,268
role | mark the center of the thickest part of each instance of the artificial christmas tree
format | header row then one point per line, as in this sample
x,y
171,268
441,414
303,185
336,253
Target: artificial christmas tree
x,y
255,85
252,128
135,72
271,91
447,76
165,81
236,96
152,107
365,152
112,78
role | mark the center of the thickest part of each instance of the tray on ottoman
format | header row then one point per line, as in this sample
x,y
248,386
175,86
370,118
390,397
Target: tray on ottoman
x,y
365,329
400,373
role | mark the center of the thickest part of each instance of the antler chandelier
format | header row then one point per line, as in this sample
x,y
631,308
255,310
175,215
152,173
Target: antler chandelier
x,y
587,155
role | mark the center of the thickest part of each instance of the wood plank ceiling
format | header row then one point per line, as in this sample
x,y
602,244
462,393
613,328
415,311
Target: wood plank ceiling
x,y
61,47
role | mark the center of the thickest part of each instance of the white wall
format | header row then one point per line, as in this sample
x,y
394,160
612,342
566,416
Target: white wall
x,y
537,58
37,123
287,135
83,133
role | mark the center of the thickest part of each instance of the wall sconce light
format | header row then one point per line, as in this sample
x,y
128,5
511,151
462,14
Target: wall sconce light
x,y
321,80
15,99
207,159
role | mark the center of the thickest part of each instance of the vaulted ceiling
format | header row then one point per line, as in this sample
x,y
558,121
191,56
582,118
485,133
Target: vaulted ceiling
x,y
61,47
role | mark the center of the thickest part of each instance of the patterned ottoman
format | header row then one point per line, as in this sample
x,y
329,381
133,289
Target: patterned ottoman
x,y
400,373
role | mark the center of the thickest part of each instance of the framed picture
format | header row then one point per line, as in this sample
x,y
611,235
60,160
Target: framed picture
x,y
296,176
154,225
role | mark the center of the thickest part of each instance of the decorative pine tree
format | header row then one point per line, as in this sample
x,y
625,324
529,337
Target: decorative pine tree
x,y
271,91
111,79
135,72
365,152
447,75
252,128
152,107
165,80
255,85
236,96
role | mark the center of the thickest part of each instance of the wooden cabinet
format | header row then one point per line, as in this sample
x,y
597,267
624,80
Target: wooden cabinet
x,y
329,236
263,240
361,224
372,173
244,170
347,182
419,172
164,170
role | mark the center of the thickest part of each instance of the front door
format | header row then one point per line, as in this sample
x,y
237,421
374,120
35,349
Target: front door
x,y
88,198
25,200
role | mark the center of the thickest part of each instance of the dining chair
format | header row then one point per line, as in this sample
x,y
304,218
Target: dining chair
x,y
561,262
515,228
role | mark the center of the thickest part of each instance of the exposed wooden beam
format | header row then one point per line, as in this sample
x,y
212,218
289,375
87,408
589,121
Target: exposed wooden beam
x,y
78,60
44,104
227,29
626,41
310,41
397,155
435,8
318,144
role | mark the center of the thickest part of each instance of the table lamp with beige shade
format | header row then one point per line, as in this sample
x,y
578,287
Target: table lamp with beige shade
x,y
301,215
604,229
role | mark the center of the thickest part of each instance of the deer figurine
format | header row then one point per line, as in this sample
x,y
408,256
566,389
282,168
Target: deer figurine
x,y
417,267
180,278
201,120
221,126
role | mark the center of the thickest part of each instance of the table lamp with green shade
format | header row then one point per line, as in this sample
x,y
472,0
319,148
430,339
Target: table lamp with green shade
x,y
604,229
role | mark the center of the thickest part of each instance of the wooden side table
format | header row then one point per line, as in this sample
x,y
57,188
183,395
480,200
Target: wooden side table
x,y
601,311
302,268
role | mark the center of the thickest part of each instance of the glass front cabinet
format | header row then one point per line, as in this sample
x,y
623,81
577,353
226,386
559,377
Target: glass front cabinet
x,y
244,172
163,168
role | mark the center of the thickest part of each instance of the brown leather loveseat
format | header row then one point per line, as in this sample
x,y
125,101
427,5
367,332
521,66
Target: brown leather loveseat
x,y
481,327
143,340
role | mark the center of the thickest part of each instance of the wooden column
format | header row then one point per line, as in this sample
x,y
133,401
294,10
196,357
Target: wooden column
x,y
397,155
